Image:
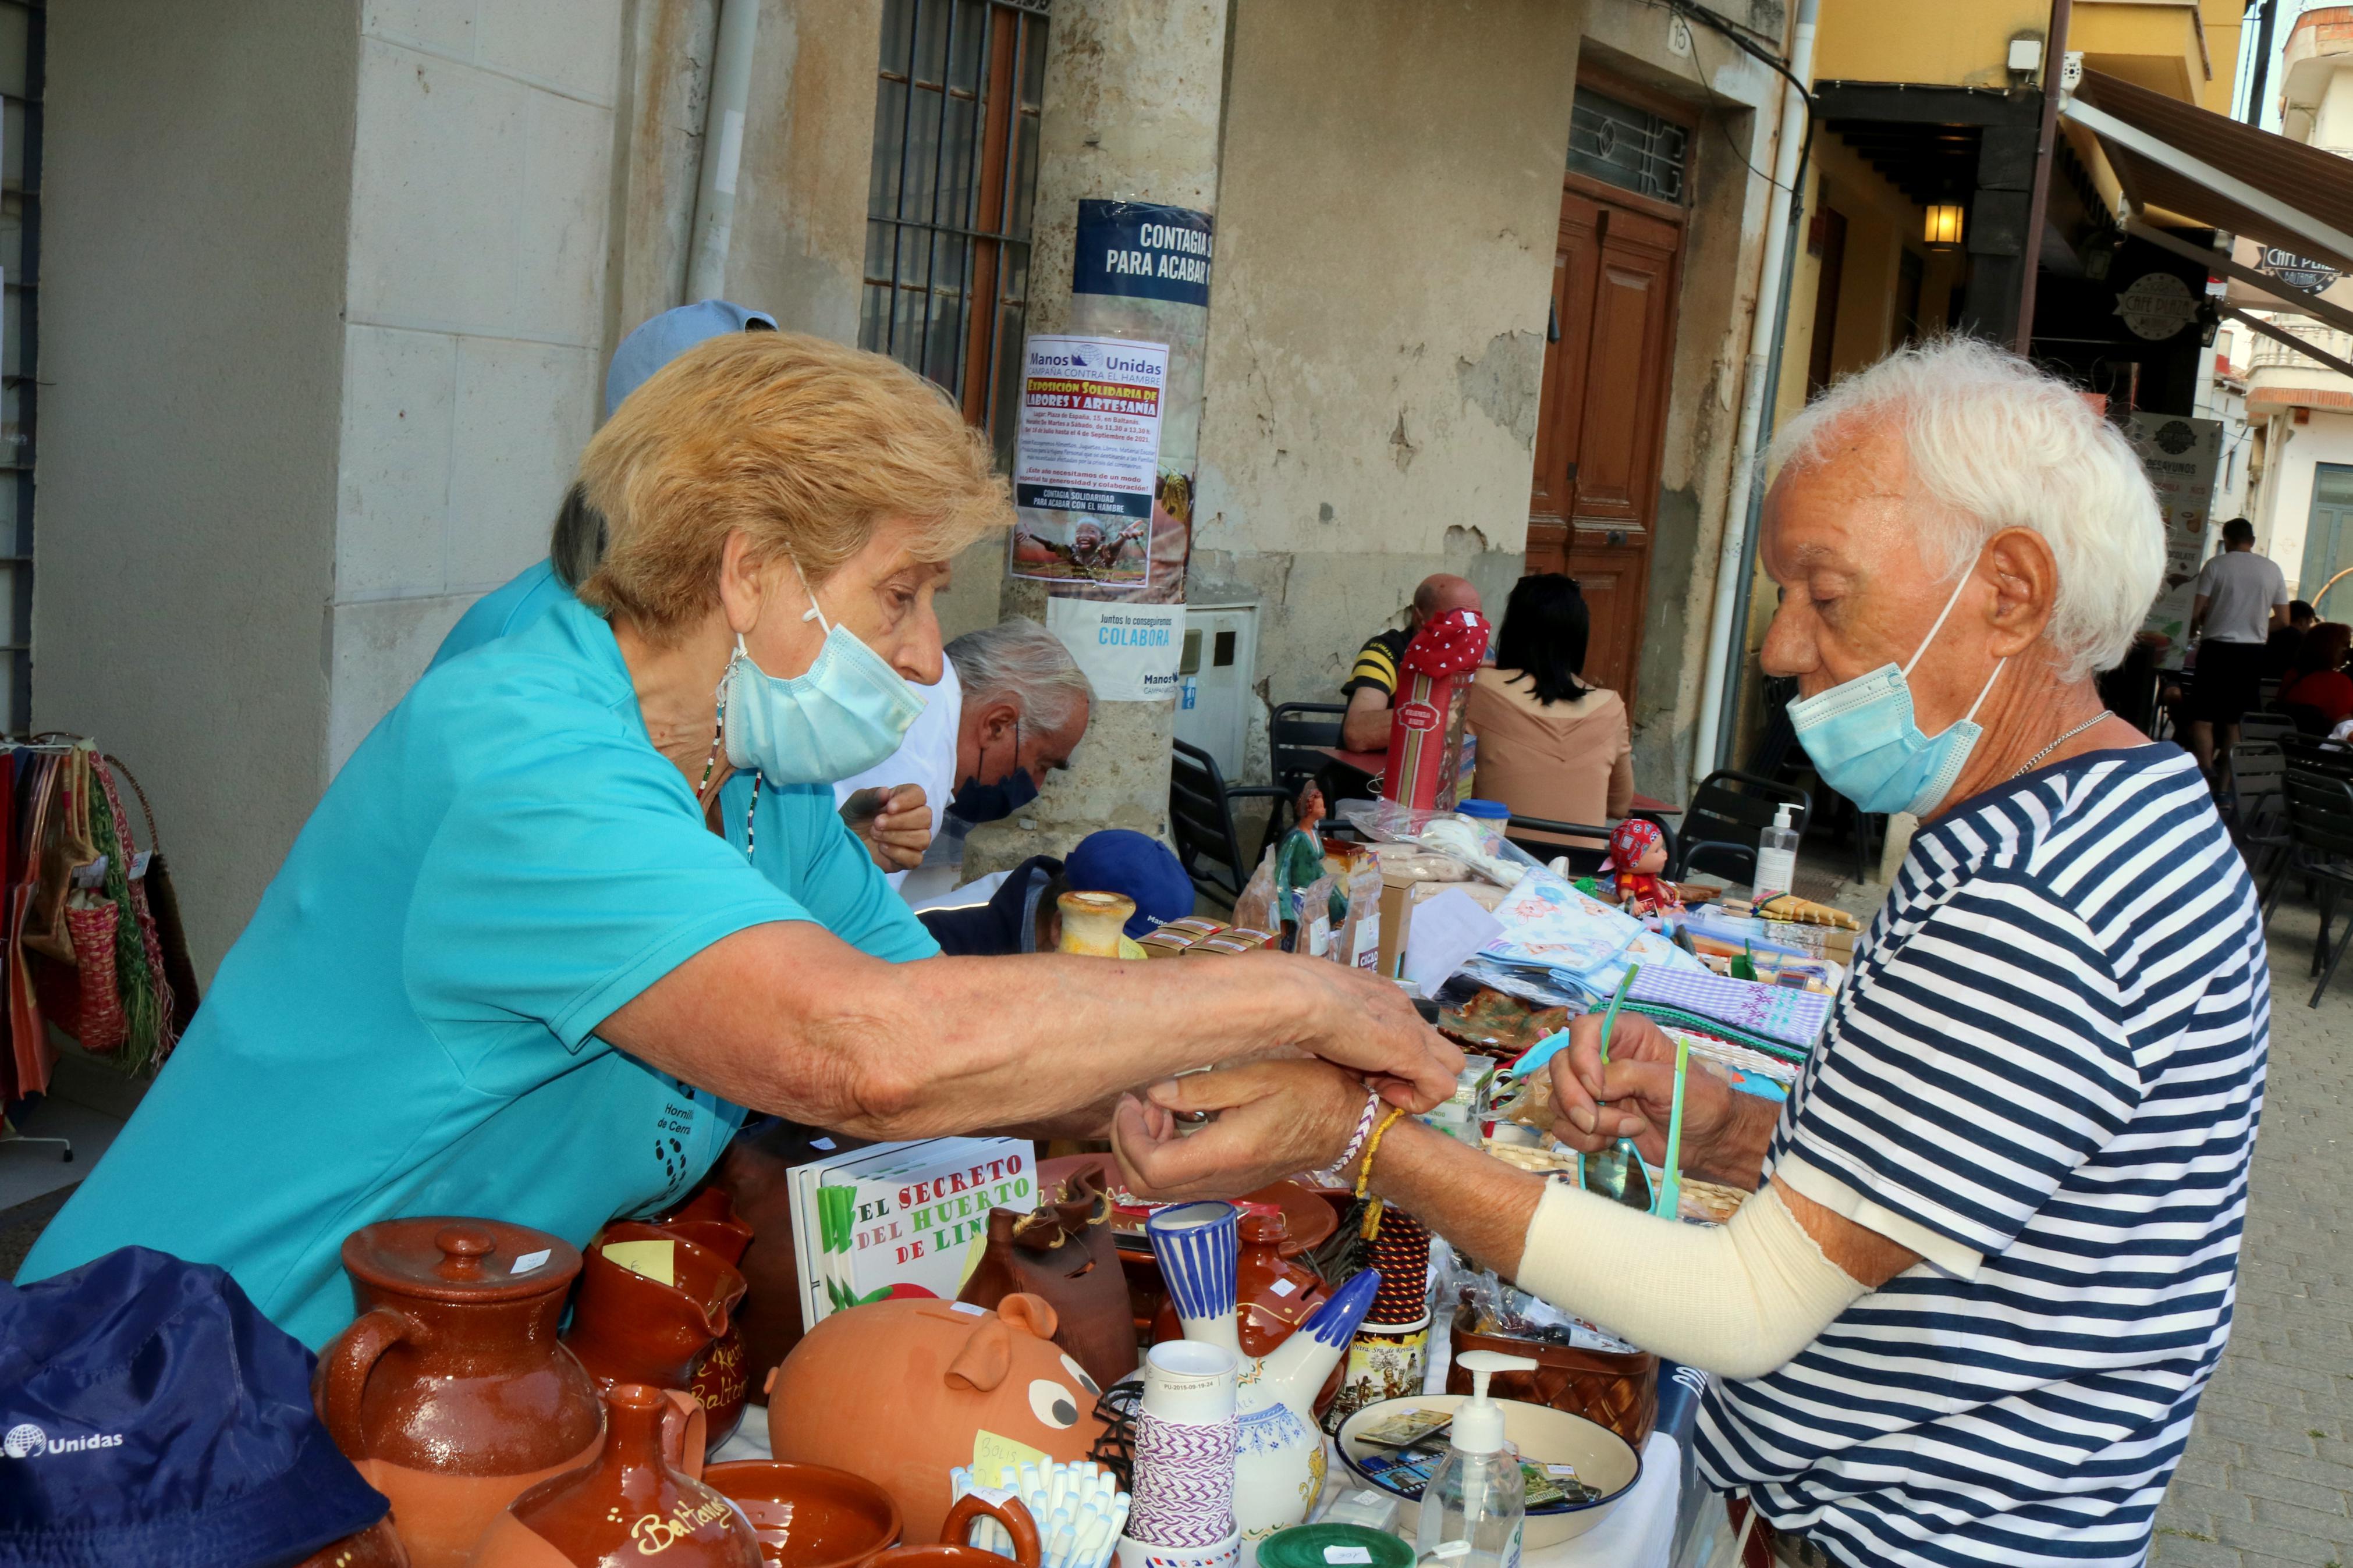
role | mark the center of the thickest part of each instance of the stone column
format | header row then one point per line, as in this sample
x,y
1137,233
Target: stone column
x,y
1133,104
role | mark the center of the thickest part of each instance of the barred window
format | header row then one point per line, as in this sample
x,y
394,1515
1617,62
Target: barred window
x,y
955,174
1626,146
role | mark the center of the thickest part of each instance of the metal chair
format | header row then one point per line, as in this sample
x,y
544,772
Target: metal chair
x,y
2319,813
1201,820
1583,861
1726,813
2266,726
1293,731
2251,775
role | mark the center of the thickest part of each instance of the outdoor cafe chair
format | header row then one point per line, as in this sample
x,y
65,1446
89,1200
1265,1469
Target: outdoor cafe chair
x,y
2319,812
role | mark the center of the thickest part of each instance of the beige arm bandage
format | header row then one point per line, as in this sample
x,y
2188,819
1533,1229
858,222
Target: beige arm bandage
x,y
1737,1301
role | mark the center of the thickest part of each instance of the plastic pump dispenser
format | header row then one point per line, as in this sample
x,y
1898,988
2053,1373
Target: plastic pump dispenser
x,y
1472,1509
1777,856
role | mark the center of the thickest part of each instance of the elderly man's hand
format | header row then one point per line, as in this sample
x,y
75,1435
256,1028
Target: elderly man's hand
x,y
895,824
1633,1095
1275,1118
1365,1023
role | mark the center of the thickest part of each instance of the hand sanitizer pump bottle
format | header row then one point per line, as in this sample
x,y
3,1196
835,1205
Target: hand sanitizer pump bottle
x,y
1777,856
1472,1509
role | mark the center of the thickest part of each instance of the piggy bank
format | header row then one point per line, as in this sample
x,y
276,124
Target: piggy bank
x,y
902,1392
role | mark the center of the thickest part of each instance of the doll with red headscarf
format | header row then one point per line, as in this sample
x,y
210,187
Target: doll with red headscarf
x,y
1638,853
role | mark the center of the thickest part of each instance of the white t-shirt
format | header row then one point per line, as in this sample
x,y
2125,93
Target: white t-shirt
x,y
927,753
2240,587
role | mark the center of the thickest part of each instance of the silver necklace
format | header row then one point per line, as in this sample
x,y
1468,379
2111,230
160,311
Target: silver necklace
x,y
2034,761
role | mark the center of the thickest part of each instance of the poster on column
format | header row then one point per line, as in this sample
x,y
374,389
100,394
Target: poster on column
x,y
1140,294
2181,456
1127,648
1087,472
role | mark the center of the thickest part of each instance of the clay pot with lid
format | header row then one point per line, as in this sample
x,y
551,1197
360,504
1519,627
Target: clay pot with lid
x,y
450,1391
630,1328
638,1503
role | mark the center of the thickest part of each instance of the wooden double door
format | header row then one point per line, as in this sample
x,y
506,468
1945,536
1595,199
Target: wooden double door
x,y
1593,512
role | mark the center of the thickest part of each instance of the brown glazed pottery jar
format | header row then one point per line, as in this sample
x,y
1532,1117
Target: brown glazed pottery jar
x,y
635,1503
450,1390
627,1328
1063,1250
808,1516
377,1546
954,1553
721,1379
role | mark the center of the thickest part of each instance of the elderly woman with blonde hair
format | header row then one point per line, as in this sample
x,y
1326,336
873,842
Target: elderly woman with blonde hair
x,y
1990,1257
520,962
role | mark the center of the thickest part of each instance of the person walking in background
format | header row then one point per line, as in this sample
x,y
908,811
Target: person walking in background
x,y
1371,689
2285,642
2240,597
1549,744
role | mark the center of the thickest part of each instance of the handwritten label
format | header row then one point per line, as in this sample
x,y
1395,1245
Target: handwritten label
x,y
657,1260
530,1260
992,1454
1346,1554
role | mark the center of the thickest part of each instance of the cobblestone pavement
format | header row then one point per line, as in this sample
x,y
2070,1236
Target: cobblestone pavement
x,y
2268,1478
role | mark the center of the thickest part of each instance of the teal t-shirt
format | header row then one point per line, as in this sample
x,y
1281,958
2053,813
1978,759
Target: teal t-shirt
x,y
407,1025
511,607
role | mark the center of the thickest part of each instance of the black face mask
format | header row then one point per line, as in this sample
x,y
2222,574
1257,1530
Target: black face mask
x,y
976,802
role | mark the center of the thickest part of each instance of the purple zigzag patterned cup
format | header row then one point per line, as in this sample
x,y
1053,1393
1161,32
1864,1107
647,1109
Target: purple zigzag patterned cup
x,y
1184,1437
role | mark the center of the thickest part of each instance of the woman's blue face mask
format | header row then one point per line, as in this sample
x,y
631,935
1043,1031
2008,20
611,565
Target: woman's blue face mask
x,y
1864,739
844,715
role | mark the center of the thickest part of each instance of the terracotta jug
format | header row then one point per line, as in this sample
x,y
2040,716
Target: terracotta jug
x,y
638,1501
377,1546
1273,1294
953,1551
1065,1251
627,1327
450,1390
721,1375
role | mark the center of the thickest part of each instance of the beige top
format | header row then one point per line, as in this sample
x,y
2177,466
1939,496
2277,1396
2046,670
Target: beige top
x,y
1572,761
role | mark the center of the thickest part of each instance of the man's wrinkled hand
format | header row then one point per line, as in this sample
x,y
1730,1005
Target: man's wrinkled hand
x,y
894,825
1365,1023
1275,1119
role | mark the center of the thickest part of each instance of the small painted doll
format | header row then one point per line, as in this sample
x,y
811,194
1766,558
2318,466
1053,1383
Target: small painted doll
x,y
1638,854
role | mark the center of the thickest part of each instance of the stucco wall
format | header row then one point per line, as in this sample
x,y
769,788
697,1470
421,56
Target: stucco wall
x,y
1387,208
2285,508
195,182
481,184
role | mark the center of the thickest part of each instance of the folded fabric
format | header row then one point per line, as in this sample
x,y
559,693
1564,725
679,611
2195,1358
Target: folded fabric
x,y
1748,1010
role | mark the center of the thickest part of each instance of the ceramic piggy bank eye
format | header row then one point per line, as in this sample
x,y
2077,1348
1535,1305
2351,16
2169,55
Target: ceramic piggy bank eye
x,y
1053,1403
1079,1373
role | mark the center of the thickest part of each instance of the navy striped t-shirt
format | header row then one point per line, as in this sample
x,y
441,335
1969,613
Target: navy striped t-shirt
x,y
2043,1076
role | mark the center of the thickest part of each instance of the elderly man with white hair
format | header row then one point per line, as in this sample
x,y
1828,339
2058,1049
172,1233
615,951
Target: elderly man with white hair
x,y
1992,1252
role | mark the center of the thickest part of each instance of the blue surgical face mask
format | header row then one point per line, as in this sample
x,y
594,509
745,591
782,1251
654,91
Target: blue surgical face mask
x,y
976,802
845,714
1863,741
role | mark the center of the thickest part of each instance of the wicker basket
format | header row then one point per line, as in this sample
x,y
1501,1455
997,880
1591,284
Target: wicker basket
x,y
1613,1390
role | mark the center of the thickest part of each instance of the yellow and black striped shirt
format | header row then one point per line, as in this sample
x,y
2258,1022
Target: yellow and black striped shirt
x,y
1376,664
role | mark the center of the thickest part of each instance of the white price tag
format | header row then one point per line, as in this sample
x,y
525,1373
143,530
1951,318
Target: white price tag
x,y
530,1260
1285,1287
1346,1554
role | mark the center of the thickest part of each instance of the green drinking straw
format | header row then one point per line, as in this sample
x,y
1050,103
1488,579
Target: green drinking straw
x,y
1670,1179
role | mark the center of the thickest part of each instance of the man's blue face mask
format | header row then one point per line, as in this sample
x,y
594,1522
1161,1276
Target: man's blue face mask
x,y
1864,739
976,802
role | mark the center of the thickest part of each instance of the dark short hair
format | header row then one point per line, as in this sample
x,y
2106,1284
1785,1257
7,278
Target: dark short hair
x,y
2297,610
1546,628
2239,530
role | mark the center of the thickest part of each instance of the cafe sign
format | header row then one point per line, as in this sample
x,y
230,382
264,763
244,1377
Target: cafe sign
x,y
2297,272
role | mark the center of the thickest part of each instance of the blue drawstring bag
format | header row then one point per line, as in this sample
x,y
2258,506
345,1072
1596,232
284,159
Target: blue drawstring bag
x,y
150,1415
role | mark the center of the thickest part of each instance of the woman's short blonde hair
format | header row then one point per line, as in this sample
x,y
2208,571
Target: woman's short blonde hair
x,y
799,442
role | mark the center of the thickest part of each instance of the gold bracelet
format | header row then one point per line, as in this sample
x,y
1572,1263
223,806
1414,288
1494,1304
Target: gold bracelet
x,y
1364,1176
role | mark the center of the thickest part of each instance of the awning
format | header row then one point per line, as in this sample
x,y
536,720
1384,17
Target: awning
x,y
2209,167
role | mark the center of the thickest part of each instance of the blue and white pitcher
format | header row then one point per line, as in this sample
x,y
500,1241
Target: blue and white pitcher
x,y
1278,1454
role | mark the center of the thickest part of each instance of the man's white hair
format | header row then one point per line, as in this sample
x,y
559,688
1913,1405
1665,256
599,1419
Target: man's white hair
x,y
1993,442
1019,659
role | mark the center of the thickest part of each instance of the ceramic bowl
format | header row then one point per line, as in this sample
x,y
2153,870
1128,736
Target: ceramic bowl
x,y
1604,1461
810,1516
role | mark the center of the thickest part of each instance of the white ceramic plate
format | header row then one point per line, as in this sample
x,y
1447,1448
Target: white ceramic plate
x,y
1604,1461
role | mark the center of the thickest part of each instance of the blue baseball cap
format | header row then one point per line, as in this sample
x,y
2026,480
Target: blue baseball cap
x,y
149,1414
1122,860
658,341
